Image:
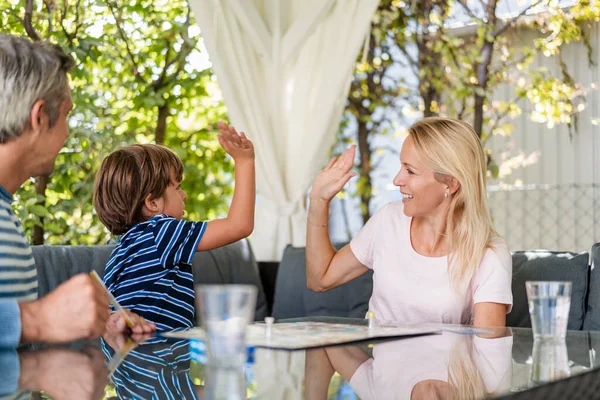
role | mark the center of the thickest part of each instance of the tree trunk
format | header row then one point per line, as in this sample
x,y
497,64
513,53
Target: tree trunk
x,y
364,164
42,181
426,89
429,96
38,230
346,219
27,21
426,60
161,125
483,70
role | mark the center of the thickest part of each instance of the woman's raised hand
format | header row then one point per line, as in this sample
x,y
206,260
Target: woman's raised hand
x,y
333,178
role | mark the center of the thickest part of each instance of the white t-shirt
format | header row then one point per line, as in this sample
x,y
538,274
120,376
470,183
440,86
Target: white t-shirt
x,y
396,367
410,287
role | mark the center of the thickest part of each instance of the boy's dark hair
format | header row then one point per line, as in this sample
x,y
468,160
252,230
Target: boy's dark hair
x,y
126,177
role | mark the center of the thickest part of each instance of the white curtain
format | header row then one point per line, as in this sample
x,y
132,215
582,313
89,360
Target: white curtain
x,y
284,67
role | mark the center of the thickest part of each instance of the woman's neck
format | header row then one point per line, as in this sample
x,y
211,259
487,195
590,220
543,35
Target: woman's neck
x,y
428,235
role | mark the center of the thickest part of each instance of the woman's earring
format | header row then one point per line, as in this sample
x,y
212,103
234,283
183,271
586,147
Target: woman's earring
x,y
446,193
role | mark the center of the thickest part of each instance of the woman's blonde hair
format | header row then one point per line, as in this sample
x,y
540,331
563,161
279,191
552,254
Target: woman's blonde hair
x,y
452,149
463,373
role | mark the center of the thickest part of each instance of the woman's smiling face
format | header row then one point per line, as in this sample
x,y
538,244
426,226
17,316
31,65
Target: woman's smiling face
x,y
422,193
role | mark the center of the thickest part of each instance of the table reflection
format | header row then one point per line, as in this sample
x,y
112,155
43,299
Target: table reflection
x,y
441,366
550,361
167,368
158,368
60,373
444,366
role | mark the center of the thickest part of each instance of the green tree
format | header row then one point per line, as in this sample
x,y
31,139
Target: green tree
x,y
142,76
457,71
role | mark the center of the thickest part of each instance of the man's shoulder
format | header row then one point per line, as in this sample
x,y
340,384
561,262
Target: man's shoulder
x,y
18,275
11,229
6,210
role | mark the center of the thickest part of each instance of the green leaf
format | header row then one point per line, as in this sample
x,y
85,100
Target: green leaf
x,y
38,210
494,170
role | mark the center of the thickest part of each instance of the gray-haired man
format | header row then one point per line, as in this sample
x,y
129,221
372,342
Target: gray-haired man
x,y
35,101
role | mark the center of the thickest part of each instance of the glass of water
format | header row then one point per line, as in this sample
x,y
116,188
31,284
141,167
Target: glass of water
x,y
549,304
224,312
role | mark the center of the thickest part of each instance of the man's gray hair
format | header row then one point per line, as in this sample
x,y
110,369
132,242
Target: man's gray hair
x,y
30,71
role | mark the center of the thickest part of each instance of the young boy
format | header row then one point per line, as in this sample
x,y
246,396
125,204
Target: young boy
x,y
138,195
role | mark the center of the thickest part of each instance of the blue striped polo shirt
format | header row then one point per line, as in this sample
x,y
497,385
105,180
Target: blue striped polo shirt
x,y
18,276
150,270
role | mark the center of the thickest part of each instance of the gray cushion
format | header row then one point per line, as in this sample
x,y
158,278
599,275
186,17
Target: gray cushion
x,y
592,315
234,263
293,299
56,264
288,299
541,265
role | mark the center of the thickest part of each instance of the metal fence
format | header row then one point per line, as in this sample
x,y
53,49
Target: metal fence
x,y
553,217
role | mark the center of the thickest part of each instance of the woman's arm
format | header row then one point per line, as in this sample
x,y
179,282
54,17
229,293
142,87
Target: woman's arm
x,y
326,268
490,314
493,281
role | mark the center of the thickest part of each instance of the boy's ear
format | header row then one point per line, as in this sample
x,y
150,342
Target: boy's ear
x,y
152,205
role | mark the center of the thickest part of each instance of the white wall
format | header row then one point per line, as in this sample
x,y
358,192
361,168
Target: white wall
x,y
558,205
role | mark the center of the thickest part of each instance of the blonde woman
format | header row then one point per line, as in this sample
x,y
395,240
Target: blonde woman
x,y
435,255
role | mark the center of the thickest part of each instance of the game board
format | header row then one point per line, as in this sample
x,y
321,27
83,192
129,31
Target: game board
x,y
304,335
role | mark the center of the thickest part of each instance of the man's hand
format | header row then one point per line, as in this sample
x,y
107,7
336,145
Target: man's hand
x,y
77,309
238,146
117,324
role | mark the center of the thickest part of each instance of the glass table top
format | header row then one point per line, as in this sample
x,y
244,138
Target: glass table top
x,y
446,365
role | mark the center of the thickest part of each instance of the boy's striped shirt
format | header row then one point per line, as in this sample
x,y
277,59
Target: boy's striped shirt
x,y
150,272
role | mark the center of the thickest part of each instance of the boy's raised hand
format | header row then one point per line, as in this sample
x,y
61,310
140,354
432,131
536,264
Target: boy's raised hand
x,y
238,146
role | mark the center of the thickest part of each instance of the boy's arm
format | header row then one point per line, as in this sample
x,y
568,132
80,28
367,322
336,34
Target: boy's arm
x,y
239,222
